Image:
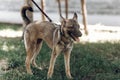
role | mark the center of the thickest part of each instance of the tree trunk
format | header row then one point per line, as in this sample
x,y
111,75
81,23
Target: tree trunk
x,y
42,6
59,7
66,8
83,6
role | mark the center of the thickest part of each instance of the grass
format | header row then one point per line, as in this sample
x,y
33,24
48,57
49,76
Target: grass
x,y
10,26
89,61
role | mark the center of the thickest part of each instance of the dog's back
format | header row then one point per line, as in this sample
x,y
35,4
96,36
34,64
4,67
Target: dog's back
x,y
37,29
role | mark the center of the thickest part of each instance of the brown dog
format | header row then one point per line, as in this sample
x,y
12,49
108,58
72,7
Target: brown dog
x,y
58,37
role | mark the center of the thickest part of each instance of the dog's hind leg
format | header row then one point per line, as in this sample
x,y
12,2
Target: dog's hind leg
x,y
38,48
30,52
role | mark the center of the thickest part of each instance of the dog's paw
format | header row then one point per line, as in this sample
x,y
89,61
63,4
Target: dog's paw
x,y
49,75
70,77
30,73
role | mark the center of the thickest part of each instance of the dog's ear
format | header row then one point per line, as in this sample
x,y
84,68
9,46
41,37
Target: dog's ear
x,y
62,19
63,22
75,16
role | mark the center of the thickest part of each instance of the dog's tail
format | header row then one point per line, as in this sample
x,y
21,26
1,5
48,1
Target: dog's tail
x,y
23,14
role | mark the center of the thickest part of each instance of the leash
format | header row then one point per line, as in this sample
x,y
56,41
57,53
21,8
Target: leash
x,y
42,11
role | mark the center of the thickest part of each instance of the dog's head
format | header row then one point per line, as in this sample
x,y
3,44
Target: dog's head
x,y
70,28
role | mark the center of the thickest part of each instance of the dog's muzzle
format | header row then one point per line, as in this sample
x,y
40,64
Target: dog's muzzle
x,y
75,36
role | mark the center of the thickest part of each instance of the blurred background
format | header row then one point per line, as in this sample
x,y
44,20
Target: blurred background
x,y
105,12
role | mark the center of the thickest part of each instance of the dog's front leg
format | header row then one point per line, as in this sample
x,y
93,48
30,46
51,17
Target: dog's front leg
x,y
54,55
67,63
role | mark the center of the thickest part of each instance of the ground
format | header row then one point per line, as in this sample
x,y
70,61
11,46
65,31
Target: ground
x,y
101,33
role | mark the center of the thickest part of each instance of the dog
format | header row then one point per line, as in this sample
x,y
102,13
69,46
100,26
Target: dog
x,y
59,38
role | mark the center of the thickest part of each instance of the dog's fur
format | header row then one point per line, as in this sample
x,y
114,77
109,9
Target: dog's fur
x,y
58,37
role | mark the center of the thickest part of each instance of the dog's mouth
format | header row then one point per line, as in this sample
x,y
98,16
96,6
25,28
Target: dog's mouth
x,y
74,37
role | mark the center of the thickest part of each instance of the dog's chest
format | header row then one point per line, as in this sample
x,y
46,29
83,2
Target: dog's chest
x,y
65,45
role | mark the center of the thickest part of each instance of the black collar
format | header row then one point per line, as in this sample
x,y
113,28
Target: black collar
x,y
61,32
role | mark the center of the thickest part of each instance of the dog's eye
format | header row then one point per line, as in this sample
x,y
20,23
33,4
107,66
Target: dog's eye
x,y
70,27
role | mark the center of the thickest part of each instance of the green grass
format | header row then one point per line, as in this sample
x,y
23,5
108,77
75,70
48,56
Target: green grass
x,y
10,26
89,61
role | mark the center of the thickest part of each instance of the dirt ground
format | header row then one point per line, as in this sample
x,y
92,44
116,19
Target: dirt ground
x,y
101,33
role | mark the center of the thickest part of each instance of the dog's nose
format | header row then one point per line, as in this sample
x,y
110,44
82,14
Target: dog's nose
x,y
80,34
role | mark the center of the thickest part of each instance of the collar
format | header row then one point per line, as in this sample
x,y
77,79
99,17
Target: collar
x,y
61,32
63,38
